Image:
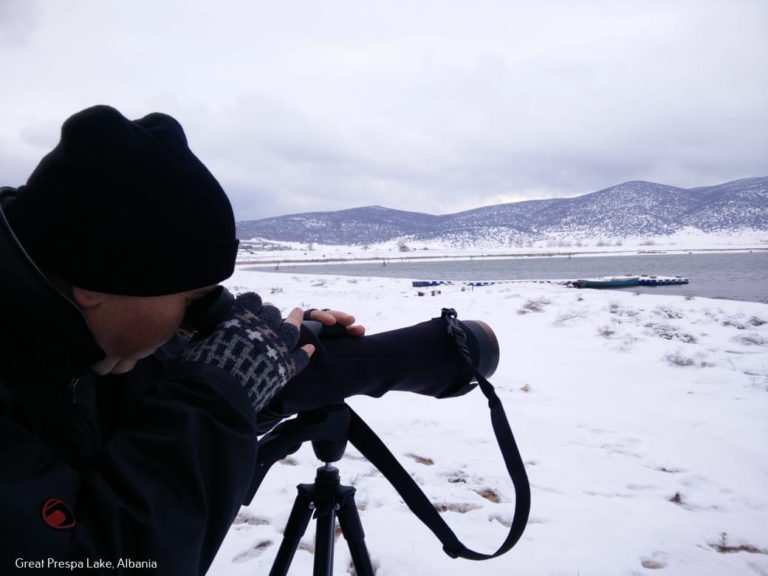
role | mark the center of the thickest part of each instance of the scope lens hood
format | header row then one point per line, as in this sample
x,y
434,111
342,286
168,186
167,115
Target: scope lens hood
x,y
483,346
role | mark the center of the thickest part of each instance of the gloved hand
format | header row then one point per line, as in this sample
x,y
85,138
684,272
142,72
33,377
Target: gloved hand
x,y
253,344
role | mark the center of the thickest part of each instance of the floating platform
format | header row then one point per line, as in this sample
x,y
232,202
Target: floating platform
x,y
646,280
428,283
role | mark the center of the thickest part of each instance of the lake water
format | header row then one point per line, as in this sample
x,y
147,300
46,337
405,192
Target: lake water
x,y
732,275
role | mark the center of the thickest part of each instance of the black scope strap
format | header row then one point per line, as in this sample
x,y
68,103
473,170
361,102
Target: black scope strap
x,y
370,445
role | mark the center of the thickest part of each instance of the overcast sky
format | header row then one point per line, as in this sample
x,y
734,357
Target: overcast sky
x,y
433,106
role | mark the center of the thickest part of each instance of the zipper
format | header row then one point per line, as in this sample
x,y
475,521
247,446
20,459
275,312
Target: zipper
x,y
73,387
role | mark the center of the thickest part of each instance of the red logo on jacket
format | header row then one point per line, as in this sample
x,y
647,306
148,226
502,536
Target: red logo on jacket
x,y
57,514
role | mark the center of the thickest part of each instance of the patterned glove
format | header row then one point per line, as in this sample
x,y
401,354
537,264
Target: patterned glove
x,y
253,344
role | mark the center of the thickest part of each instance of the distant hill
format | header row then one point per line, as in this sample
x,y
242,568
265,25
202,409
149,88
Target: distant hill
x,y
631,209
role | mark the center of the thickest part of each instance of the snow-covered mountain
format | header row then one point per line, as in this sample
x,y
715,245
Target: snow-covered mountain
x,y
633,209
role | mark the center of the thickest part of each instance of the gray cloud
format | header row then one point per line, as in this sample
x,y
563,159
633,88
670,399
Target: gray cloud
x,y
429,106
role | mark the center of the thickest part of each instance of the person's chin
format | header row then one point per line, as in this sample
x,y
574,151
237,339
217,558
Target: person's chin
x,y
114,366
123,366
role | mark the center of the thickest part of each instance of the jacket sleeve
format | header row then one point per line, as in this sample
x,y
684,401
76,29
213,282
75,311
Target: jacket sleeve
x,y
162,491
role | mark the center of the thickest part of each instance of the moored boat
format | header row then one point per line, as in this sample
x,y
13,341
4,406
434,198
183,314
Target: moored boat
x,y
608,282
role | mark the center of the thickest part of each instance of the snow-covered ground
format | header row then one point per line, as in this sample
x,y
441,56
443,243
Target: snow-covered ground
x,y
643,421
686,240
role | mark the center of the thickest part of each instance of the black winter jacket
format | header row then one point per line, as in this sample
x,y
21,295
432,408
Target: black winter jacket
x,y
142,470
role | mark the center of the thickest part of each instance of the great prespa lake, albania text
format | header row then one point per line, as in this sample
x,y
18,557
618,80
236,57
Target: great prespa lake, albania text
x,y
76,566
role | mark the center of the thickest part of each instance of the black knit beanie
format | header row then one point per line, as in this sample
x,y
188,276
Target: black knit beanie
x,y
125,207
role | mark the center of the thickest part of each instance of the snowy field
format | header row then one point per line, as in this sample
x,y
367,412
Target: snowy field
x,y
642,419
686,240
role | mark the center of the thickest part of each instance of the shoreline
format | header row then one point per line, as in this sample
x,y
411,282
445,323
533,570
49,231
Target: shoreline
x,y
733,274
401,258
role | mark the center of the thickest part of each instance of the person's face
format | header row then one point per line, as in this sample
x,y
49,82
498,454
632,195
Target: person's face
x,y
129,328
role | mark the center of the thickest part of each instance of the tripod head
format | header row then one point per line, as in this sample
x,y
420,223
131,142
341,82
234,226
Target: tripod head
x,y
327,428
329,451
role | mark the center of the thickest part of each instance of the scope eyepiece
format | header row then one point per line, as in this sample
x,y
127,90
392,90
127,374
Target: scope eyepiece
x,y
204,314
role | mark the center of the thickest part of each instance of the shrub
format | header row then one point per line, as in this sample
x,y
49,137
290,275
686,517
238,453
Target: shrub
x,y
751,339
677,359
668,312
669,332
534,306
606,331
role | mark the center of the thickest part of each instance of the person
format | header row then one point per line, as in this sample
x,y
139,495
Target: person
x,y
126,444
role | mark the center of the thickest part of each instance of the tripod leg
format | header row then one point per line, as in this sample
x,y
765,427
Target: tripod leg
x,y
294,530
324,539
352,529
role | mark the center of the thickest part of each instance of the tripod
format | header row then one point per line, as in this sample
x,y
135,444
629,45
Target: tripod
x,y
329,429
326,498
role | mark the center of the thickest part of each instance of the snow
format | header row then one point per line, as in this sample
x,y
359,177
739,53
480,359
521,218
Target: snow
x,y
641,419
685,240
